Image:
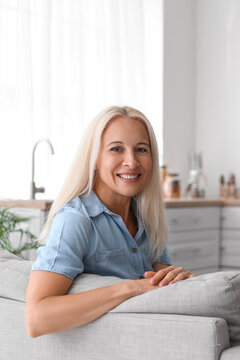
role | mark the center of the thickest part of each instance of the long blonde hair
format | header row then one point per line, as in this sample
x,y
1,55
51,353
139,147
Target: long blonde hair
x,y
80,179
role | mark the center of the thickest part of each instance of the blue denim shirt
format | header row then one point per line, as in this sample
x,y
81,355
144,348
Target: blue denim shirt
x,y
85,236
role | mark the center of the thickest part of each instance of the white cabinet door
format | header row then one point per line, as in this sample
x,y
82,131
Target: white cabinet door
x,y
230,238
197,218
194,238
194,255
230,217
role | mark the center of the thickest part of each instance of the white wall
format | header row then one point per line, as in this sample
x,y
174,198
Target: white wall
x,y
179,84
202,86
217,128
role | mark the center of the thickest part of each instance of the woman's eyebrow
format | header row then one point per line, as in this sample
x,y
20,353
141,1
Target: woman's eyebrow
x,y
120,142
143,143
115,142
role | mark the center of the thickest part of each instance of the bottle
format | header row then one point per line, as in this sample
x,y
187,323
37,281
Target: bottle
x,y
232,186
201,179
163,170
221,187
173,186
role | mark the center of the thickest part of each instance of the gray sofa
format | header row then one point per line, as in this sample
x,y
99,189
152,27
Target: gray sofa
x,y
198,318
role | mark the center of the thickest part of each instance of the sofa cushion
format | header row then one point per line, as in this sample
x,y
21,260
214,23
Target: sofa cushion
x,y
232,353
14,274
212,295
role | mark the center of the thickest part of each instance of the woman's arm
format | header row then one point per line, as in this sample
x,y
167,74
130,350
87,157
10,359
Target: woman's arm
x,y
49,309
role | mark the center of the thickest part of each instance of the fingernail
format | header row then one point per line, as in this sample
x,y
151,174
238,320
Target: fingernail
x,y
152,281
162,283
171,282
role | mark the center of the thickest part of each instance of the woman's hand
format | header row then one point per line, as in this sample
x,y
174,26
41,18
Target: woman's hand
x,y
168,275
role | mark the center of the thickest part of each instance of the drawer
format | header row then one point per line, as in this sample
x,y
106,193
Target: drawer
x,y
230,235
230,260
185,219
197,236
195,256
231,247
230,253
230,217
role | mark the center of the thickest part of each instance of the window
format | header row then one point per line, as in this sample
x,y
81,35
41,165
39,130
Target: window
x,y
61,63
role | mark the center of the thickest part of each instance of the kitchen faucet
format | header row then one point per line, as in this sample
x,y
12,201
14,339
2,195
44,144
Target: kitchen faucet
x,y
35,189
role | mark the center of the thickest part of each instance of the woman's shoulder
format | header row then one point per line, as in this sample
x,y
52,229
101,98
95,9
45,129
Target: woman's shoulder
x,y
73,212
71,222
83,207
75,206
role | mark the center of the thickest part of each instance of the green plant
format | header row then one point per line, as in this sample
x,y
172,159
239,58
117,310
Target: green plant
x,y
10,223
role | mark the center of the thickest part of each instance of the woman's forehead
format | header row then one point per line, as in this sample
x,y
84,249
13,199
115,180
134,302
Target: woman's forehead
x,y
123,128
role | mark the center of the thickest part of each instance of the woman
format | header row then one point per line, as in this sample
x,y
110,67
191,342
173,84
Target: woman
x,y
108,219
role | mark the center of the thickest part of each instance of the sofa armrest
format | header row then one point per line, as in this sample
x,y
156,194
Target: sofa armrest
x,y
126,335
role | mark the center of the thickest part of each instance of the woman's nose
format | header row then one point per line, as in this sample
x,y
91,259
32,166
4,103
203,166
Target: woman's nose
x,y
130,160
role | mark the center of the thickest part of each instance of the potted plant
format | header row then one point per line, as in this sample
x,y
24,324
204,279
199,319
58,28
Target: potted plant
x,y
11,223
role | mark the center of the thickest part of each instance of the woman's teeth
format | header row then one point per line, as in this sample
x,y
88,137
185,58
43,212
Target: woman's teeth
x,y
128,176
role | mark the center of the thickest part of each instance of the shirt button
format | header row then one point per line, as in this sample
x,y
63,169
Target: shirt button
x,y
141,277
134,250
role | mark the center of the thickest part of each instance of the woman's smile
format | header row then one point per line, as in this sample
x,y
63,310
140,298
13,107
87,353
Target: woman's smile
x,y
129,177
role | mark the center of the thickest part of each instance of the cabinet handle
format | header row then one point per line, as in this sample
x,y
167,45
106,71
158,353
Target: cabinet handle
x,y
186,252
187,220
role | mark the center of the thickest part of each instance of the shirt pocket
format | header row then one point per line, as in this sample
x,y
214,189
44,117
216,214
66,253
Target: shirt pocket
x,y
113,263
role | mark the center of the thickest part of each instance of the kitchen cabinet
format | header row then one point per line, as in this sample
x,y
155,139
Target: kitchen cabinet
x,y
194,238
230,238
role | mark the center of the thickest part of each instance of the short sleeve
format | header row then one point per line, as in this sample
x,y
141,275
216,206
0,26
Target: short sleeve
x,y
67,244
165,258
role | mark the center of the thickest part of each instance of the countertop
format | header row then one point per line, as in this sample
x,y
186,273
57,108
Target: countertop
x,y
183,202
169,203
32,204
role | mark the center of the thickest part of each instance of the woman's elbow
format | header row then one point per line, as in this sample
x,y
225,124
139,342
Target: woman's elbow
x,y
31,330
32,324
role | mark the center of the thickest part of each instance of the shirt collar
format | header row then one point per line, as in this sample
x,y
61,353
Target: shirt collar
x,y
95,207
93,204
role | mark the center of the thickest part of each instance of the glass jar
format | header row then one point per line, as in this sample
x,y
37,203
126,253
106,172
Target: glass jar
x,y
173,186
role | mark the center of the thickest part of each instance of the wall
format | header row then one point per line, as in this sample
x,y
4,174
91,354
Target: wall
x,y
217,129
179,85
202,87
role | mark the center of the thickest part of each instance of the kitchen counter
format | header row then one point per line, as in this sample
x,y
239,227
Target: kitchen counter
x,y
198,202
32,204
169,203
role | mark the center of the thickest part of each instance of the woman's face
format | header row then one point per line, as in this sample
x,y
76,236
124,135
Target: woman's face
x,y
125,161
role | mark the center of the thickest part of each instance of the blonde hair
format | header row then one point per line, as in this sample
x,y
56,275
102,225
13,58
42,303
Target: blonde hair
x,y
80,179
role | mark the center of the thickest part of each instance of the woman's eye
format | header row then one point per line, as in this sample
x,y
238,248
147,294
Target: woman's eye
x,y
116,149
141,150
